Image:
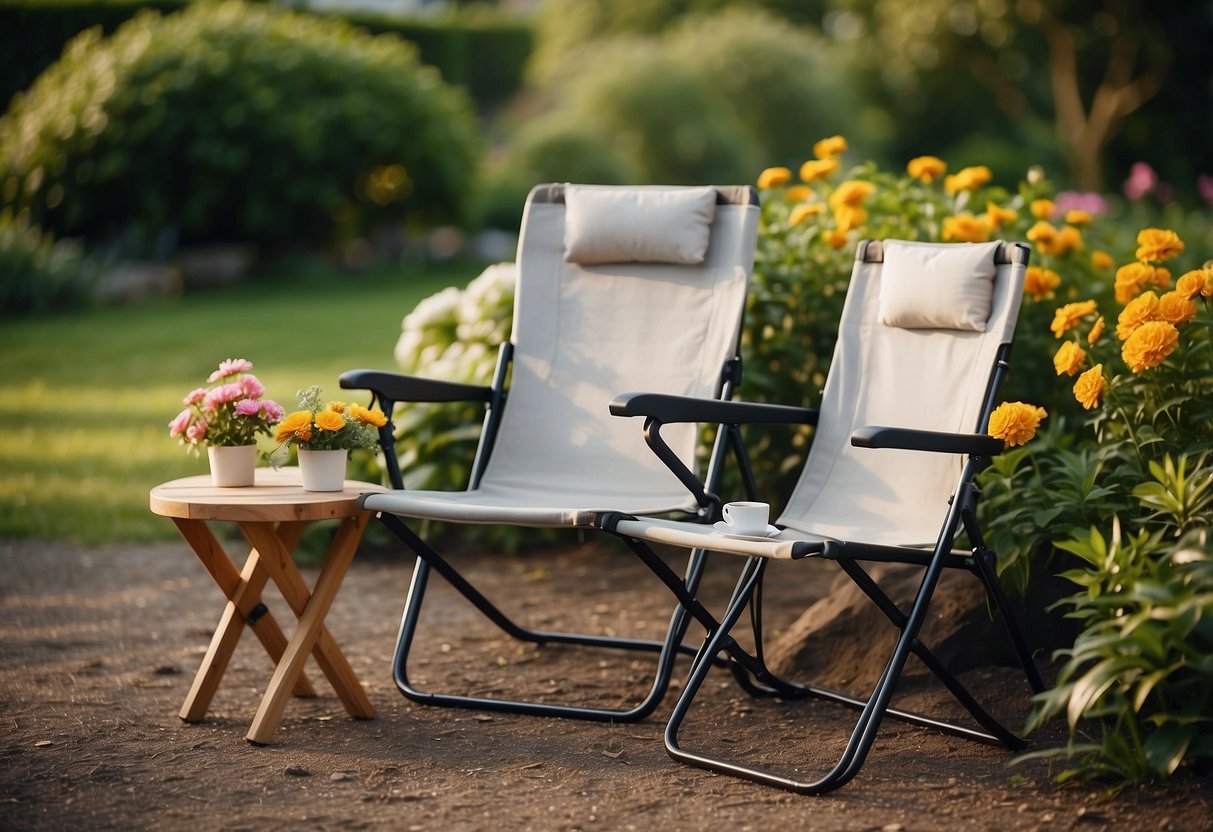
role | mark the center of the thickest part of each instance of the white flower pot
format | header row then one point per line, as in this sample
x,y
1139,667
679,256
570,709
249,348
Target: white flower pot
x,y
322,470
232,466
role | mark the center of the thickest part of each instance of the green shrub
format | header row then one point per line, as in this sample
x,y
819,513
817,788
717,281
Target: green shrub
x,y
235,122
37,273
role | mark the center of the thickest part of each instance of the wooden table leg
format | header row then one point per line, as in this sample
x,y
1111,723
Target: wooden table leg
x,y
243,591
310,634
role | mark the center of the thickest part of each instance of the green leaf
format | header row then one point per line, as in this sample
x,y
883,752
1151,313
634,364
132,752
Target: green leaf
x,y
1165,748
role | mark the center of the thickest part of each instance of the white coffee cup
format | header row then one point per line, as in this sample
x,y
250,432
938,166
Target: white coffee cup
x,y
746,517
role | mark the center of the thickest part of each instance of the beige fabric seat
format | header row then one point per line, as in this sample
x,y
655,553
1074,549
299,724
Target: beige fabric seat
x,y
923,342
617,288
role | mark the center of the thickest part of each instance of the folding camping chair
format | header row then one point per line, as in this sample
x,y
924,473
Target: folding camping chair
x,y
616,288
924,341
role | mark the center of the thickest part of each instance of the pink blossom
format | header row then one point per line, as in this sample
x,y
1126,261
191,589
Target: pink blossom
x,y
231,367
251,387
272,410
195,396
1204,184
1142,179
222,394
180,423
247,407
1091,202
196,432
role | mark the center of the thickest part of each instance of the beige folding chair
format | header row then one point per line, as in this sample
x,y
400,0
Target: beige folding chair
x,y
617,288
923,343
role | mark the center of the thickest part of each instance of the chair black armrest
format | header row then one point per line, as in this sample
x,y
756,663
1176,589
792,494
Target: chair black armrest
x,y
671,409
397,387
973,444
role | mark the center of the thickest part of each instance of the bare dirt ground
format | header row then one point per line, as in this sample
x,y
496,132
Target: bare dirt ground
x,y
98,647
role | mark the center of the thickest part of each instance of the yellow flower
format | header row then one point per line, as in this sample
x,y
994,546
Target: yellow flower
x,y
834,238
773,177
1090,387
1096,332
967,179
1040,282
1069,239
368,416
1015,422
1102,260
1043,234
1068,316
1140,310
1077,216
329,420
966,228
851,192
829,148
1158,244
1132,278
1042,209
996,216
1149,345
1069,359
847,217
818,169
297,425
1195,282
337,406
798,193
1176,309
926,168
803,211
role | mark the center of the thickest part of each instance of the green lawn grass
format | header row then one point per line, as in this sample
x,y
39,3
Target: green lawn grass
x,y
85,398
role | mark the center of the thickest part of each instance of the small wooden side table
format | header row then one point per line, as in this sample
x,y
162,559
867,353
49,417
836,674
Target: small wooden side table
x,y
271,514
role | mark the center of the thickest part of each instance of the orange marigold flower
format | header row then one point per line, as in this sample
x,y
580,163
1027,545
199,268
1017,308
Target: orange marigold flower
x,y
1158,244
803,211
1042,233
818,169
329,420
966,228
1096,332
1102,260
834,238
967,179
1069,359
1042,209
1077,216
847,217
1069,239
1149,345
295,425
926,168
1132,278
996,216
1090,387
1195,282
1138,311
1039,282
773,177
851,192
1015,422
1176,309
337,406
829,148
798,193
1068,316
368,416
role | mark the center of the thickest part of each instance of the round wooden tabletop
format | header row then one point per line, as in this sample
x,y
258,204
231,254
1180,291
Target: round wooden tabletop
x,y
276,495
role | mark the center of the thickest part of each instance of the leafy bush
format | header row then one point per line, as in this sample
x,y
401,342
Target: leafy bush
x,y
236,122
37,273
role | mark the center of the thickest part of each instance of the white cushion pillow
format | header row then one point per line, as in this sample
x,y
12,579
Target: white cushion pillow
x,y
605,224
928,287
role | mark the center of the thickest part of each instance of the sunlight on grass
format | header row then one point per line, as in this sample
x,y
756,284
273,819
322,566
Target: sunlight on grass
x,y
85,399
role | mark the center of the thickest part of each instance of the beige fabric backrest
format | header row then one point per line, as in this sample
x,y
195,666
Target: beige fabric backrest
x,y
926,379
585,333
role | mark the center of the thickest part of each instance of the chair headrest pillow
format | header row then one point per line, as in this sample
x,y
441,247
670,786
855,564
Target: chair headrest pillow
x,y
932,287
637,225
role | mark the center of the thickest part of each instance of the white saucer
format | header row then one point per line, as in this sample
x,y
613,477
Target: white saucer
x,y
723,528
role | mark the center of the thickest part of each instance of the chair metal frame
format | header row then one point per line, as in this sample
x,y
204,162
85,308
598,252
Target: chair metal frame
x,y
980,561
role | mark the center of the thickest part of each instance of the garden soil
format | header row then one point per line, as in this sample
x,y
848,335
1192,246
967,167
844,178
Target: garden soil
x,y
98,647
